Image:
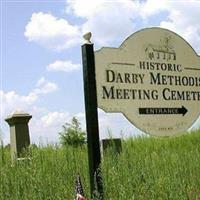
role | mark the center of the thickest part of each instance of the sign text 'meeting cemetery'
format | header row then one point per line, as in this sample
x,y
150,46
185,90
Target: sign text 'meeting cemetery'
x,y
153,78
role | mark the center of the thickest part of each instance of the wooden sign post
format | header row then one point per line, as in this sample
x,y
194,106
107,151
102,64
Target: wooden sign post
x,y
94,154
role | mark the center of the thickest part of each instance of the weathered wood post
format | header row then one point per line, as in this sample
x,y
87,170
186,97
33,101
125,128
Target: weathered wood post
x,y
94,154
19,132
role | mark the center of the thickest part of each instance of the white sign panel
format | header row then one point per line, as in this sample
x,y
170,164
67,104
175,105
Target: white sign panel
x,y
153,78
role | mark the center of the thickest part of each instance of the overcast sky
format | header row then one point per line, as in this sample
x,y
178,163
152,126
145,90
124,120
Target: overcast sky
x,y
41,67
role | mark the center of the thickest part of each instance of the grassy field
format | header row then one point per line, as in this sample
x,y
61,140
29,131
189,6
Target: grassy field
x,y
148,168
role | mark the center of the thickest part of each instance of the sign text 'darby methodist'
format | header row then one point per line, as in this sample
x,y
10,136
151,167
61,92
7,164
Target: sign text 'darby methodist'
x,y
153,78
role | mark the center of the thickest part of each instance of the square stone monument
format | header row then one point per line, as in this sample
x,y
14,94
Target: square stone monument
x,y
19,132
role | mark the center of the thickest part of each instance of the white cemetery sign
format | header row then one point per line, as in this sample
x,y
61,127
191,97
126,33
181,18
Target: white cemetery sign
x,y
153,78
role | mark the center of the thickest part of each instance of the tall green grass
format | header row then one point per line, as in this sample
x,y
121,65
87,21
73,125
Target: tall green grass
x,y
50,174
148,169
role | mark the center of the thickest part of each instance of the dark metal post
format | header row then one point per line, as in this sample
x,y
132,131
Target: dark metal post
x,y
94,155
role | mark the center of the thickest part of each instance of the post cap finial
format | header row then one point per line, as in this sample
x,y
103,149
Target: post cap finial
x,y
87,36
